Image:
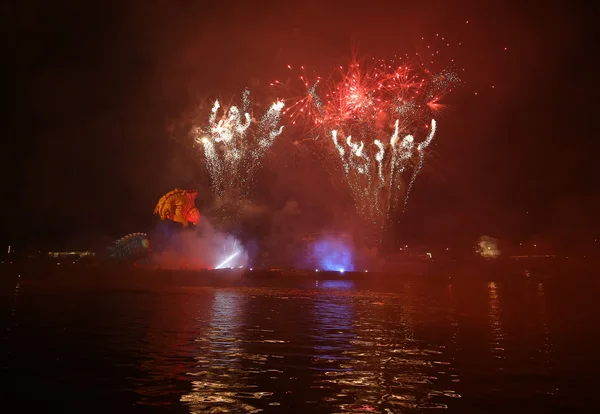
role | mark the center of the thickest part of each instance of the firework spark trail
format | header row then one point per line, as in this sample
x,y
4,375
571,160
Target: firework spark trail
x,y
268,130
361,173
421,150
234,145
373,173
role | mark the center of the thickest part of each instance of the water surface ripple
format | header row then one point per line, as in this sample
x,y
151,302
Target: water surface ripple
x,y
129,343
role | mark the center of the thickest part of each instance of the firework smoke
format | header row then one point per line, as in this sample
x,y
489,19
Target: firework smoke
x,y
204,247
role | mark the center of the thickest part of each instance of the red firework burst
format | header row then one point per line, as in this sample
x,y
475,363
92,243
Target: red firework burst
x,y
303,103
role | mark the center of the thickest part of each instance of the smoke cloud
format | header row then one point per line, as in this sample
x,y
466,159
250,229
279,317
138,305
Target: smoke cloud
x,y
283,242
333,254
202,247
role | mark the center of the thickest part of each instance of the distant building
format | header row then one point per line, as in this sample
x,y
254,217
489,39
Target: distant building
x,y
79,255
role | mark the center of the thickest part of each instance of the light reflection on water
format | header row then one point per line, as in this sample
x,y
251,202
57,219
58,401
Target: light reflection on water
x,y
357,349
311,346
496,333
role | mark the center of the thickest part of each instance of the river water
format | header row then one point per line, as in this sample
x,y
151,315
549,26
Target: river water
x,y
134,342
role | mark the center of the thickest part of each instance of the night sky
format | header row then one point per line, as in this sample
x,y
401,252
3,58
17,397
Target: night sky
x,y
92,89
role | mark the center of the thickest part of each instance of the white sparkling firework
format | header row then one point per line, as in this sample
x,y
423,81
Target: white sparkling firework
x,y
234,145
442,83
374,174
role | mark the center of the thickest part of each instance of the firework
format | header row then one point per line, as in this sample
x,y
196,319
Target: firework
x,y
304,105
375,172
304,115
234,144
373,112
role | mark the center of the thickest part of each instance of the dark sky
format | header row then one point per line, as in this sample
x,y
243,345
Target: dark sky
x,y
91,89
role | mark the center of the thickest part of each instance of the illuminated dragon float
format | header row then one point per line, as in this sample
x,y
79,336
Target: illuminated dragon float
x,y
132,247
179,206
